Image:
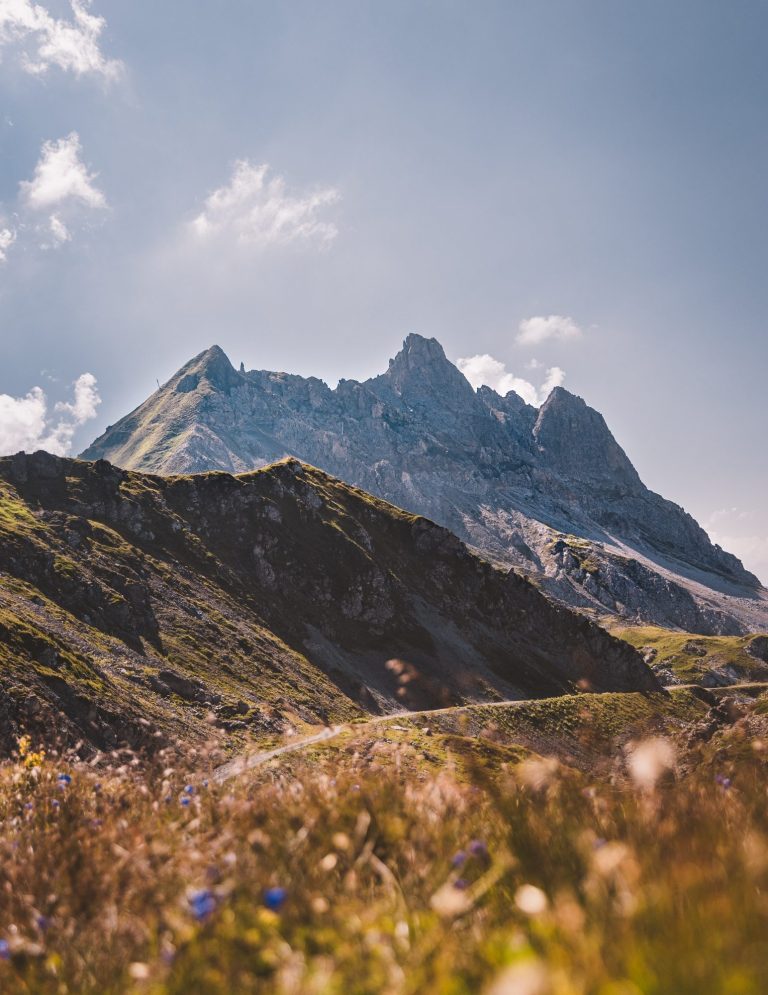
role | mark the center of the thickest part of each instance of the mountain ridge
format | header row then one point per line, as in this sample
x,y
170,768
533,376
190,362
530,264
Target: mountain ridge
x,y
197,605
546,491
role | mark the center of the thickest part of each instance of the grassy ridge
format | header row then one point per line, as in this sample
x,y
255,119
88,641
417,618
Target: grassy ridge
x,y
692,657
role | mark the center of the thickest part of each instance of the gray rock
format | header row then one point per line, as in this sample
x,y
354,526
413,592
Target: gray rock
x,y
548,492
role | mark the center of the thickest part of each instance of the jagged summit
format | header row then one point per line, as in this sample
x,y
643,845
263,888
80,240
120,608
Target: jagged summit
x,y
212,365
575,440
548,491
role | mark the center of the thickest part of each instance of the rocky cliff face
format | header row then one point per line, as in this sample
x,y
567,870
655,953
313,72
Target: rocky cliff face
x,y
548,492
136,606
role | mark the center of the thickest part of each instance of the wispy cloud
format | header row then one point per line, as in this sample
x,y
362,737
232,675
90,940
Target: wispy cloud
x,y
484,369
44,41
63,188
28,423
538,329
7,238
256,210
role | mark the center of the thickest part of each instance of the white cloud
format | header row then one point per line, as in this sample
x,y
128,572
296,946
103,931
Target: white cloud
x,y
554,326
61,177
484,369
58,229
254,209
45,41
61,180
26,423
7,238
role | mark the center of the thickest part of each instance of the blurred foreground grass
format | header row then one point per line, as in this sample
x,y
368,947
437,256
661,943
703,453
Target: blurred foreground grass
x,y
346,873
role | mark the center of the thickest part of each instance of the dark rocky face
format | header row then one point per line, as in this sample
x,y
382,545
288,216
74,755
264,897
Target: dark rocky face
x,y
199,606
518,483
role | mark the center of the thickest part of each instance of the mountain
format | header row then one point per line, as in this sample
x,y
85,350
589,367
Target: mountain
x,y
546,491
136,606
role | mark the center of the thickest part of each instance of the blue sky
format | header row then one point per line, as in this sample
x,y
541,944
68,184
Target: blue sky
x,y
450,168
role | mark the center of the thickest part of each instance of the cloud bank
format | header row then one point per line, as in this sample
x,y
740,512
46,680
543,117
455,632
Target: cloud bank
x,y
533,331
484,369
255,210
27,423
45,41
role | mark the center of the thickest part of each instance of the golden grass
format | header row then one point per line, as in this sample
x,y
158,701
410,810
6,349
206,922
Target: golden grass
x,y
526,879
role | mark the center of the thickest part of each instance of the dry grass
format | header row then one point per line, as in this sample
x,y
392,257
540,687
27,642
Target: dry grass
x,y
531,880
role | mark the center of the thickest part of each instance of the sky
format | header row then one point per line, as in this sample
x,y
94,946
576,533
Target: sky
x,y
560,192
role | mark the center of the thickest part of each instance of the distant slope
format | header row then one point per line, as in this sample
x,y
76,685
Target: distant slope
x,y
195,606
712,661
548,491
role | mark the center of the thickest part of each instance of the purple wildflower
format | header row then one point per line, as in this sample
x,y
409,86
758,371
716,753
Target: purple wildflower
x,y
5,950
478,849
459,859
461,884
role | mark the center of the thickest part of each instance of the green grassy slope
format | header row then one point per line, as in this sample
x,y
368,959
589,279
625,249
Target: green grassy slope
x,y
699,659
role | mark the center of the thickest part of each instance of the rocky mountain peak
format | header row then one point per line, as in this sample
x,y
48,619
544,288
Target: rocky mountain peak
x,y
421,374
507,477
212,365
574,440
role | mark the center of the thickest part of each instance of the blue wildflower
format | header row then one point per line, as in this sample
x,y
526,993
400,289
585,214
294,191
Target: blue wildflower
x,y
185,801
64,779
5,950
189,789
42,923
274,898
202,903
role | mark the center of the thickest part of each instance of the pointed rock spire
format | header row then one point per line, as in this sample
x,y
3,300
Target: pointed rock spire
x,y
574,440
212,365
